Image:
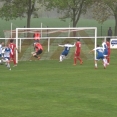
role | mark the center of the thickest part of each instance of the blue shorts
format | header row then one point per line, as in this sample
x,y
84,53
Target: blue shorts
x,y
7,58
65,53
105,52
100,57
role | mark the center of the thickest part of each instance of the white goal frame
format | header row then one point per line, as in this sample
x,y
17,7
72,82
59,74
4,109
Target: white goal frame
x,y
63,28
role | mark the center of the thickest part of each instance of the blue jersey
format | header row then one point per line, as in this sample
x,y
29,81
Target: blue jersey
x,y
66,49
105,48
7,52
100,53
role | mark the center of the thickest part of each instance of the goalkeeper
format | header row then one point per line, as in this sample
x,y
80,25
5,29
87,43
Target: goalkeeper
x,y
38,50
65,51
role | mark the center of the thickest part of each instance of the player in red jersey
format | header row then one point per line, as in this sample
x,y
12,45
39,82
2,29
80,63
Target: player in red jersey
x,y
38,50
13,49
108,46
77,52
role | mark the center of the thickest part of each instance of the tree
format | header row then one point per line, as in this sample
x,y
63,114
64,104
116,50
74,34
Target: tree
x,y
69,8
103,9
13,9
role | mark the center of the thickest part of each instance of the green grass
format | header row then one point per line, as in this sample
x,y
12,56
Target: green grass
x,y
47,88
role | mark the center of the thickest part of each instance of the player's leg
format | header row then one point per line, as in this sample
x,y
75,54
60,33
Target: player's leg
x,y
77,57
108,58
96,63
98,57
62,56
14,61
8,63
81,62
38,53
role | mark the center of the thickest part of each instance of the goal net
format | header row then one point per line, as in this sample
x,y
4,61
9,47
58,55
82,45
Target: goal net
x,y
51,37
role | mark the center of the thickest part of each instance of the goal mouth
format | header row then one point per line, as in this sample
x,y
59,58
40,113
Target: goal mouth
x,y
51,37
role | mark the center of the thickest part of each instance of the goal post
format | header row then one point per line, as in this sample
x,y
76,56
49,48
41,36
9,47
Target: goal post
x,y
51,31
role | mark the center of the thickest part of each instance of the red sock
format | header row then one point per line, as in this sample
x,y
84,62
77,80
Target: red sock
x,y
79,59
14,61
74,60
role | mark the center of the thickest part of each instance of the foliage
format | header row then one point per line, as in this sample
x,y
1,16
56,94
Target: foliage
x,y
69,8
102,10
13,9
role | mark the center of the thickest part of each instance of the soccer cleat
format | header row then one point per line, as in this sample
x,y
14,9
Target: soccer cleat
x,y
81,62
104,67
14,65
38,58
107,63
74,64
95,67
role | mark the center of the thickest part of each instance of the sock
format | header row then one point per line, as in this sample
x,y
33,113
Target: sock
x,y
105,60
74,60
14,61
8,65
79,59
96,65
104,63
61,58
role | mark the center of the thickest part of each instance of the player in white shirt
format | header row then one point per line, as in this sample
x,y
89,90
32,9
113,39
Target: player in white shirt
x,y
105,49
65,51
100,55
7,52
1,51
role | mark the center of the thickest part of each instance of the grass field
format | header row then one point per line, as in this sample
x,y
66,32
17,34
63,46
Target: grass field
x,y
47,88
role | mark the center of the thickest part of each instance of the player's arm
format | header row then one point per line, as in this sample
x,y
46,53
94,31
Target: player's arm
x,y
70,45
61,45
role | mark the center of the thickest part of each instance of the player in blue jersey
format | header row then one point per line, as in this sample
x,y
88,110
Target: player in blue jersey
x,y
105,49
100,55
65,51
7,52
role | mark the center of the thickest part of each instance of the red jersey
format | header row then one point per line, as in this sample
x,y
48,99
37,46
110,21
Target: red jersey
x,y
108,46
78,46
12,46
37,36
38,46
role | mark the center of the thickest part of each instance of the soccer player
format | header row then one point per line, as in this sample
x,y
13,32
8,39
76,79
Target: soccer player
x,y
108,47
38,50
65,51
13,49
37,36
100,55
105,50
77,52
1,51
7,53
